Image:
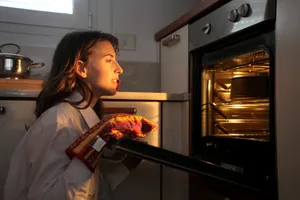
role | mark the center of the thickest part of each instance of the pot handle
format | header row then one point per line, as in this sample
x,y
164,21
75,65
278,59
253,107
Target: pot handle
x,y
10,44
36,65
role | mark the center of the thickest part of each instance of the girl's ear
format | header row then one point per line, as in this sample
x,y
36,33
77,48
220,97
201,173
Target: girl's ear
x,y
80,69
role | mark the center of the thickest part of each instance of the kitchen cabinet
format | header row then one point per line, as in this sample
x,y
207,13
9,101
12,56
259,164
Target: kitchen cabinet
x,y
144,181
287,99
152,181
174,62
147,109
149,181
174,79
14,116
175,138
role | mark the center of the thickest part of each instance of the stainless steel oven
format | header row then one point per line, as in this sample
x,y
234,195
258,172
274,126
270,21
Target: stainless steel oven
x,y
232,85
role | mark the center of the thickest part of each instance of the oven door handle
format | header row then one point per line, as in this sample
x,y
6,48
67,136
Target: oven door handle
x,y
113,110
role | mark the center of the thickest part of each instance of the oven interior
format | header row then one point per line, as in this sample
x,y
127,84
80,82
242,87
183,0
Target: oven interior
x,y
235,97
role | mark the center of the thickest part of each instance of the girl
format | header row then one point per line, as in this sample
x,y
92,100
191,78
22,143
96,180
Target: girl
x,y
84,68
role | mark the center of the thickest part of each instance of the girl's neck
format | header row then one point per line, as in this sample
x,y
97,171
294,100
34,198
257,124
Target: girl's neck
x,y
94,101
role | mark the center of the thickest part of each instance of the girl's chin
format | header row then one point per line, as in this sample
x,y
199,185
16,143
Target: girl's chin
x,y
110,92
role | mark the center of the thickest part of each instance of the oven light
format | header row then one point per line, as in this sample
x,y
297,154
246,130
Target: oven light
x,y
209,85
206,76
238,106
238,60
228,85
237,76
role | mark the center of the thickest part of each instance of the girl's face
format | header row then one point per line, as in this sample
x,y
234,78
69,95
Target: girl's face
x,y
102,70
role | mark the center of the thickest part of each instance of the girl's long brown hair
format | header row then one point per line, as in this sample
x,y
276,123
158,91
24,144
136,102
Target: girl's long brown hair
x,y
63,80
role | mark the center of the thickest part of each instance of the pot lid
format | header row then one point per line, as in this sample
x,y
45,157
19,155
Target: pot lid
x,y
12,55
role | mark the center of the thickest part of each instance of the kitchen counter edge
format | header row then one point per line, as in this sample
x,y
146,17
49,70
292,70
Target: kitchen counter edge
x,y
131,96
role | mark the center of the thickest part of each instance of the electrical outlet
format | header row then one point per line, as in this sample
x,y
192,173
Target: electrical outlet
x,y
126,41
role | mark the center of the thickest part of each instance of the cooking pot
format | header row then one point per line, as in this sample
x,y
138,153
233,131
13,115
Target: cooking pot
x,y
14,65
249,87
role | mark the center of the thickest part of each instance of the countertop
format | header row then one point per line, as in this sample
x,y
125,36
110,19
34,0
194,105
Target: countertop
x,y
148,96
27,88
201,9
128,96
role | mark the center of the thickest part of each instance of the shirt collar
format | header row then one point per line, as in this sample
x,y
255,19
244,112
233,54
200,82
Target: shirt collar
x,y
89,115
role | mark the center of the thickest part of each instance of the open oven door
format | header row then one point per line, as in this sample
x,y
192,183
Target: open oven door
x,y
180,162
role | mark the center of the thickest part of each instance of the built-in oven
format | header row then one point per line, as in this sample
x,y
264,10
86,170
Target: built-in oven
x,y
232,85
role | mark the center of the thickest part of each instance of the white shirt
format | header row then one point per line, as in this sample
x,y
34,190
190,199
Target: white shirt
x,y
40,168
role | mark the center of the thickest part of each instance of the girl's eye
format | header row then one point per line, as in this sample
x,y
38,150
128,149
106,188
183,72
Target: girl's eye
x,y
109,61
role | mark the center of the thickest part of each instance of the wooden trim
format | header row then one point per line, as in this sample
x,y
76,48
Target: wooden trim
x,y
30,84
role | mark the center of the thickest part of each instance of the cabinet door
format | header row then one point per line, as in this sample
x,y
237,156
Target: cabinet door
x,y
13,117
175,137
144,181
174,62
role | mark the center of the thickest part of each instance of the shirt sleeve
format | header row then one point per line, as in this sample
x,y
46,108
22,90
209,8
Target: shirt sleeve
x,y
57,177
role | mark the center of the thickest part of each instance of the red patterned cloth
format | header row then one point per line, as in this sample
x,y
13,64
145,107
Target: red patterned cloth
x,y
116,126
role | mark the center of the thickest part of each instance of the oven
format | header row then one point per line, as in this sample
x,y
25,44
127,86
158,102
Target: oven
x,y
232,85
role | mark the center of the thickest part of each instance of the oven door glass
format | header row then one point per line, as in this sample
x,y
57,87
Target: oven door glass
x,y
235,97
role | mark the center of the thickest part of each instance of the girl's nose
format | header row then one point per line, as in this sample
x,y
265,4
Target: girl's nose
x,y
119,69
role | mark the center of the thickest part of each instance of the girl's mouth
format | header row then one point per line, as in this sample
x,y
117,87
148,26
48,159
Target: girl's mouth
x,y
118,84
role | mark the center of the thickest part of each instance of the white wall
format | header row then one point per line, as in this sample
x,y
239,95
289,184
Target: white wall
x,y
144,18
140,17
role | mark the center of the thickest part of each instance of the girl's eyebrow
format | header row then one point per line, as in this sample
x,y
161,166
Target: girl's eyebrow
x,y
108,55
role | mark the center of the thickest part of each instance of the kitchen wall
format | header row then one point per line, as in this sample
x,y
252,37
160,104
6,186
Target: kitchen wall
x,y
140,76
144,18
141,18
137,76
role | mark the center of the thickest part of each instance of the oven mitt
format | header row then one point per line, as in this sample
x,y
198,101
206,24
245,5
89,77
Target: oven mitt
x,y
88,147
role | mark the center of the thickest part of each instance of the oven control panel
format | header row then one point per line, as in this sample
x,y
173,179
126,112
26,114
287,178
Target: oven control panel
x,y
228,19
243,11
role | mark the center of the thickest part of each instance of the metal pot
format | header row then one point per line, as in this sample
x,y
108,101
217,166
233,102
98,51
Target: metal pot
x,y
14,65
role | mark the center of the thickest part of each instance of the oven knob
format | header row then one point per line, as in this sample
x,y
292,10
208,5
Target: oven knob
x,y
206,29
244,10
233,15
2,110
